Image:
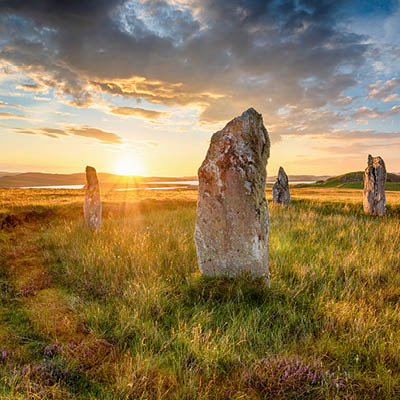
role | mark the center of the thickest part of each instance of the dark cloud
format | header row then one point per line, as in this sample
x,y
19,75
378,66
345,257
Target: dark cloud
x,y
221,55
33,87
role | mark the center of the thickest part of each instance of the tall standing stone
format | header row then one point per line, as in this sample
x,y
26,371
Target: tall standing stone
x,y
232,223
374,187
280,190
92,207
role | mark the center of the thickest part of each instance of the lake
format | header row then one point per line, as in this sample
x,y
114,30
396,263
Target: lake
x,y
182,184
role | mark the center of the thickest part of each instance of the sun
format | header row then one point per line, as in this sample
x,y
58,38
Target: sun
x,y
129,165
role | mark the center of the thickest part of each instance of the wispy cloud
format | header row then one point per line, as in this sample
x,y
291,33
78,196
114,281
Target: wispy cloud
x,y
137,112
83,131
11,115
7,105
49,132
95,133
342,134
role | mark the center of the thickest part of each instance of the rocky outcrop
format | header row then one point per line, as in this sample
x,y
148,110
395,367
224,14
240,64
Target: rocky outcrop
x,y
280,190
374,187
232,223
92,207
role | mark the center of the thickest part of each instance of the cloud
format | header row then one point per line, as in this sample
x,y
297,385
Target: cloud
x,y
220,56
7,105
49,132
10,115
358,148
390,98
383,90
366,112
343,100
137,112
341,134
64,114
395,110
84,131
41,98
95,133
372,113
216,55
32,87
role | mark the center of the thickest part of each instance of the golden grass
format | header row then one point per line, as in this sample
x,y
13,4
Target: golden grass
x,y
129,308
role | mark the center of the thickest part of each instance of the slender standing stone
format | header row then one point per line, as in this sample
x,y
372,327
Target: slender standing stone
x,y
280,190
92,206
232,222
374,187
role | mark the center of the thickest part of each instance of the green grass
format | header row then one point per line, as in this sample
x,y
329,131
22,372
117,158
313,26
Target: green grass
x,y
349,185
354,180
333,305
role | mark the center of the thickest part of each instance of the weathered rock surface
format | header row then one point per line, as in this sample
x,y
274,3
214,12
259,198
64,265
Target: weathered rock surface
x,y
280,190
92,207
374,186
232,224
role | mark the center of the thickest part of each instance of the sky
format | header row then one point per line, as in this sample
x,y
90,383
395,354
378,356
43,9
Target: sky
x,y
139,86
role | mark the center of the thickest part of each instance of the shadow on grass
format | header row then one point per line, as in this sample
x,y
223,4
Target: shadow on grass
x,y
244,289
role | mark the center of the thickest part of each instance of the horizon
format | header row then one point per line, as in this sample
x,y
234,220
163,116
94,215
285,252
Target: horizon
x,y
129,176
171,176
144,89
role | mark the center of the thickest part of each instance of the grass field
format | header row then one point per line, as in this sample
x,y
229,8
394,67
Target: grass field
x,y
124,314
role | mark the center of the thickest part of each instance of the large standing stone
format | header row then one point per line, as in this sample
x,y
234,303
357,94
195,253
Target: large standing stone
x,y
374,186
92,206
280,190
232,222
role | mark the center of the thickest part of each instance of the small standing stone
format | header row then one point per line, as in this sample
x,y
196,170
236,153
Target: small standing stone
x,y
92,207
280,190
374,187
232,222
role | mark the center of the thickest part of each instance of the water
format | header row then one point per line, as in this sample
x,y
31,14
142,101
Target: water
x,y
182,184
188,183
150,188
54,187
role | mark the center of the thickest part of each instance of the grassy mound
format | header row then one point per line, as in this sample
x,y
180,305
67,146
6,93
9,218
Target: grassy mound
x,y
354,180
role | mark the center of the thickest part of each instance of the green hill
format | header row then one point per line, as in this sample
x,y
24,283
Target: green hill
x,y
354,180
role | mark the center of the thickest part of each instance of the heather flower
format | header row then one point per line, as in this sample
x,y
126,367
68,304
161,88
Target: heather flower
x,y
290,375
51,350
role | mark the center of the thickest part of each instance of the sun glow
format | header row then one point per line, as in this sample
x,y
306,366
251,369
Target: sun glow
x,y
129,165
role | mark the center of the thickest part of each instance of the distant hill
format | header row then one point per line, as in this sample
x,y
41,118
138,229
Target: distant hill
x,y
2,173
305,178
355,180
44,179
